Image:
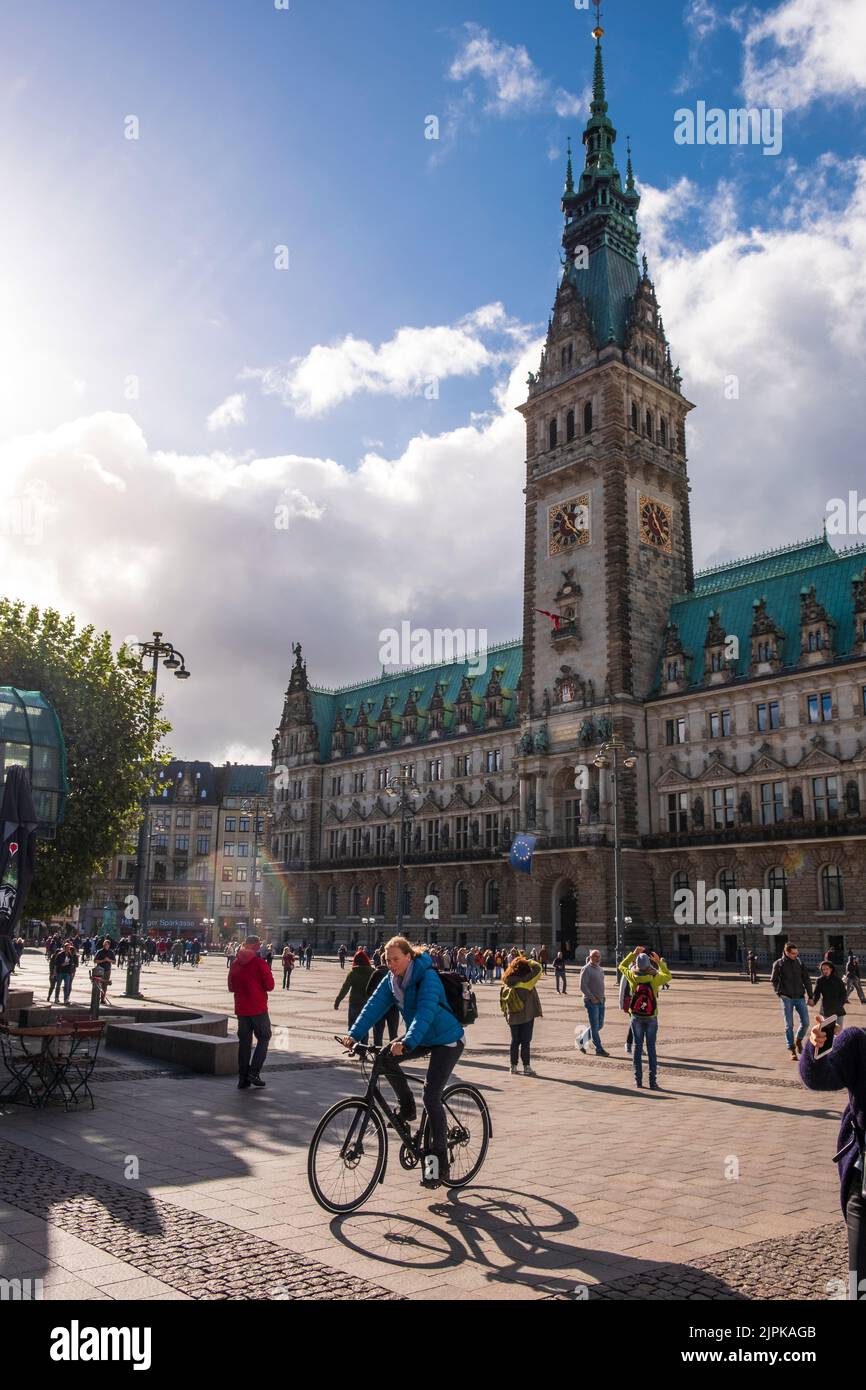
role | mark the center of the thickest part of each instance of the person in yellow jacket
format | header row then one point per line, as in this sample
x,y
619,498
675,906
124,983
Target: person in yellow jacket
x,y
645,973
521,1006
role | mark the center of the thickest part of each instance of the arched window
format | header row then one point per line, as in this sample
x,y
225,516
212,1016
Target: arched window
x,y
379,900
634,416
679,881
491,897
727,881
569,426
553,434
663,434
407,900
461,899
587,418
355,901
649,425
832,897
777,882
331,903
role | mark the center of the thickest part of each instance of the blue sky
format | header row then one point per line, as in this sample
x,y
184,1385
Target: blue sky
x,y
151,262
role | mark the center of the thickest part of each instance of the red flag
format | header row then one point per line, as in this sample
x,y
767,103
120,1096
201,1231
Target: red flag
x,y
554,618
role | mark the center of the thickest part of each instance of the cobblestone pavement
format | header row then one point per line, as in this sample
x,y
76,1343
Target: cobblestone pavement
x,y
185,1250
721,1186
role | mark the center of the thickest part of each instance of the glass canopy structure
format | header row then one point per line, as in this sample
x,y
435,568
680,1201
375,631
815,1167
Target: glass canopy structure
x,y
31,737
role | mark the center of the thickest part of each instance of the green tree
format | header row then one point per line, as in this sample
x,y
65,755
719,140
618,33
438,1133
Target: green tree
x,y
103,704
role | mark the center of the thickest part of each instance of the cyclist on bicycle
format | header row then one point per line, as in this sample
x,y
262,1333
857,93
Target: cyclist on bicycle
x,y
431,1028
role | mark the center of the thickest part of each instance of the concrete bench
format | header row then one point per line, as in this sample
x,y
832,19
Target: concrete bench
x,y
198,1041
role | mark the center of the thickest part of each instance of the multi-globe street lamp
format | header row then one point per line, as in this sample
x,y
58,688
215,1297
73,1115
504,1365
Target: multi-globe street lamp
x,y
523,922
173,660
609,755
401,785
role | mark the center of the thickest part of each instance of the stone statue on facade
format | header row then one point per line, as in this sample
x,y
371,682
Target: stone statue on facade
x,y
542,742
698,813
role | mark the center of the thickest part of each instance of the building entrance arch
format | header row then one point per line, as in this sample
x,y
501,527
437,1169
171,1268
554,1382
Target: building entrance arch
x,y
564,917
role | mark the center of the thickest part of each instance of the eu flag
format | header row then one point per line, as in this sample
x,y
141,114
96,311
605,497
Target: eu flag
x,y
522,850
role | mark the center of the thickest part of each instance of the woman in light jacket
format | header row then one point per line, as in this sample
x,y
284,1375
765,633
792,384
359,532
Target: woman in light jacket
x,y
521,1006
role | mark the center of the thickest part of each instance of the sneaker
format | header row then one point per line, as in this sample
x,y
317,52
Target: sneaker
x,y
600,1052
793,1052
514,1071
257,1081
627,1048
799,1046
244,1083
527,1071
407,1113
654,1085
639,1083
582,1048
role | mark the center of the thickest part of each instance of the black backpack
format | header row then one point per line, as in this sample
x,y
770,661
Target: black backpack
x,y
459,997
375,980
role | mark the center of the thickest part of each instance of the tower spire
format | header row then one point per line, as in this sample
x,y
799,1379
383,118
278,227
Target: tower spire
x,y
629,172
569,172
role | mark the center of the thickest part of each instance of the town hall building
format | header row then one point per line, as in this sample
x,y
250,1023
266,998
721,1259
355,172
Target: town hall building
x,y
735,697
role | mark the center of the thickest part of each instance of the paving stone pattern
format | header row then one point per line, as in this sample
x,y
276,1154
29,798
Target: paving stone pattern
x,y
201,1258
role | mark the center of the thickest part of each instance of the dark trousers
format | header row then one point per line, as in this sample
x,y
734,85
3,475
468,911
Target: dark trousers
x,y
443,1060
560,978
287,978
855,1210
249,1024
392,1018
521,1037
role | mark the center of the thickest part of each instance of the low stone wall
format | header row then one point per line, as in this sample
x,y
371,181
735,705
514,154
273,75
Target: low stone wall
x,y
195,1040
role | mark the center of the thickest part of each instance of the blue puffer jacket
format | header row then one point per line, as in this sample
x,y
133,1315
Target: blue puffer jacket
x,y
429,1021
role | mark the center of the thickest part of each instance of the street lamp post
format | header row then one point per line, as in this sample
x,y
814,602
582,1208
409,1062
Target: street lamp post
x,y
157,650
369,922
401,786
523,922
609,756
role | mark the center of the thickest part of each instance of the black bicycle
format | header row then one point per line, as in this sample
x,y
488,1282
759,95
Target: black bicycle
x,y
349,1150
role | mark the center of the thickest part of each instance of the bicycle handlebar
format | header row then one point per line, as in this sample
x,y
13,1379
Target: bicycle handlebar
x,y
358,1047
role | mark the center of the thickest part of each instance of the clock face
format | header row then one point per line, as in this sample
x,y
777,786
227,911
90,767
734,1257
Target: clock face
x,y
568,524
654,520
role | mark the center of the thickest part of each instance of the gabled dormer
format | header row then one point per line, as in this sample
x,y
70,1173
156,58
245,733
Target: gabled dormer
x,y
437,712
717,667
493,699
768,641
411,717
817,630
387,723
675,662
338,737
465,716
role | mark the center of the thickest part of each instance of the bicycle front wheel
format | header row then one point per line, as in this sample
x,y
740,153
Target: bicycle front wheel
x,y
468,1129
342,1168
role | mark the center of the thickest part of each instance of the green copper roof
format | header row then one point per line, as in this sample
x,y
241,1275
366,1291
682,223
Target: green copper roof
x,y
346,702
779,576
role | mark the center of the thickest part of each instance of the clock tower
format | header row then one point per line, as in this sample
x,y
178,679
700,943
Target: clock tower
x,y
608,539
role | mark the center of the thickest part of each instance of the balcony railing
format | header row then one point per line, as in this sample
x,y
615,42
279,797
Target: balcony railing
x,y
738,834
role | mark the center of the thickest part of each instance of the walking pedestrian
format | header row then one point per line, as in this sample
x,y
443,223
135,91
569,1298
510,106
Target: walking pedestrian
x,y
544,958
64,964
250,981
521,1006
355,985
104,960
431,1028
489,962
559,973
308,959
342,955
790,979
288,966
852,977
753,968
829,995
391,1018
844,1067
646,973
592,988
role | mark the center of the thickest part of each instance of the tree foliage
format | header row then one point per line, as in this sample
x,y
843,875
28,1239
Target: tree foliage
x,y
103,704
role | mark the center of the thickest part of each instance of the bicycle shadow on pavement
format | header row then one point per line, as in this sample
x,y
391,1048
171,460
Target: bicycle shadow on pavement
x,y
512,1238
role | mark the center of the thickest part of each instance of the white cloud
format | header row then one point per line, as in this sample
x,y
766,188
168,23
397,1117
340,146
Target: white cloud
x,y
513,82
407,364
802,51
232,411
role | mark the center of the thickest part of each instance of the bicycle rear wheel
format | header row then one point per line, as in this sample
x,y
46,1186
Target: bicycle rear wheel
x,y
468,1130
342,1172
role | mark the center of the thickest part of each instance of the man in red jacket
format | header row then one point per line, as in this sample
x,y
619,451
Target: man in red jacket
x,y
250,981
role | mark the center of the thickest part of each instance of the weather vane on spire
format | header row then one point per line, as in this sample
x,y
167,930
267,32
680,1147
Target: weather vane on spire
x,y
597,31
